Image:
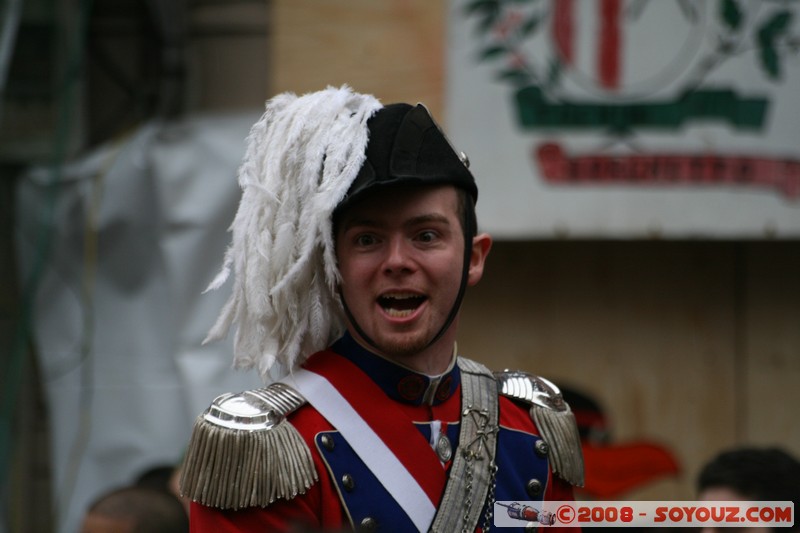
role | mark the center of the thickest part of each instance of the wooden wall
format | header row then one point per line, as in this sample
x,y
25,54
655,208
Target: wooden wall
x,y
694,345
392,48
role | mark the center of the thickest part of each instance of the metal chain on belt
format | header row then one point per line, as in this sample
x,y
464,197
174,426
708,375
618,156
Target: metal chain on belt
x,y
487,523
472,452
490,498
468,495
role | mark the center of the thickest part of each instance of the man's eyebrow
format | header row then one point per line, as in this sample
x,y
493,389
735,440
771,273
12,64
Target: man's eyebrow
x,y
360,222
372,223
427,218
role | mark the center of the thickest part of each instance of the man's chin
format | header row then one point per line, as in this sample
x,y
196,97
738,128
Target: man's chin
x,y
400,348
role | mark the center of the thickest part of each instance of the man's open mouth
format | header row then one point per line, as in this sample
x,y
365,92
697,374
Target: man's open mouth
x,y
400,304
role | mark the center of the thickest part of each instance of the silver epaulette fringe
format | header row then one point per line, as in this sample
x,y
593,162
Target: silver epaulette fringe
x,y
243,452
560,432
554,419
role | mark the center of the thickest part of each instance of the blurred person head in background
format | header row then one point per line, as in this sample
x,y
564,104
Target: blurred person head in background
x,y
136,509
745,474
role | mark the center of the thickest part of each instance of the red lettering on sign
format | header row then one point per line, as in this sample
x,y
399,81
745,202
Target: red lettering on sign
x,y
668,169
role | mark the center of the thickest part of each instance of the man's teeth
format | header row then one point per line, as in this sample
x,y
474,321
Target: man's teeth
x,y
400,304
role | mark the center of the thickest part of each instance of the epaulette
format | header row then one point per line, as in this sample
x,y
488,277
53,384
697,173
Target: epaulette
x,y
244,453
552,416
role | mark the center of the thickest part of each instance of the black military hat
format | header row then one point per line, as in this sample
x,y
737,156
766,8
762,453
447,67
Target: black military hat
x,y
406,146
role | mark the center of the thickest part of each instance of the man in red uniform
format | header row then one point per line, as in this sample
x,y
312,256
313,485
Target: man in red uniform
x,y
353,245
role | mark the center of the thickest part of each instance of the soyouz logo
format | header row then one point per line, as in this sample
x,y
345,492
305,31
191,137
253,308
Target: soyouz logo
x,y
645,513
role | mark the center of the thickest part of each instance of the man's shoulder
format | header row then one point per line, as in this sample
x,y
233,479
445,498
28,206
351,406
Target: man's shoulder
x,y
553,418
241,442
527,394
524,387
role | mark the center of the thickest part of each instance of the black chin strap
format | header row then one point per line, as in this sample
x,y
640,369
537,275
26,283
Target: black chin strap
x,y
468,236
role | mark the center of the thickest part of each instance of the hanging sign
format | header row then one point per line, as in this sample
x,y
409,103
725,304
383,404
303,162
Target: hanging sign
x,y
629,118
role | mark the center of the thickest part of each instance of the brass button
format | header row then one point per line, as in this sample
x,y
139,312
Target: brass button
x,y
327,442
348,482
534,487
542,448
368,525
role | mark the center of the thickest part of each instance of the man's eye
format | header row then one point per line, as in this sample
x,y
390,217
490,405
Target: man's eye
x,y
427,236
365,240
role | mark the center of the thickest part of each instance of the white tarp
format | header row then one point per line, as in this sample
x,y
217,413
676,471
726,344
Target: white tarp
x,y
629,118
139,230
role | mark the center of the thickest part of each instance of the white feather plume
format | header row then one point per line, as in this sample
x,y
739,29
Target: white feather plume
x,y
301,157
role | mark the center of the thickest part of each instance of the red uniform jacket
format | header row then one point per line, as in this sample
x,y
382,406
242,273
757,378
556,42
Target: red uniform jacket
x,y
348,495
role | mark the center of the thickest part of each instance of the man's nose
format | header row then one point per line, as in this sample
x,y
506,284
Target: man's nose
x,y
399,256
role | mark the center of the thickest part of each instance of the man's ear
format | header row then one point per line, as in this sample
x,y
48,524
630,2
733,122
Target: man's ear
x,y
481,244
